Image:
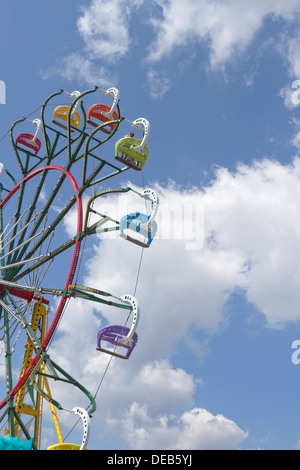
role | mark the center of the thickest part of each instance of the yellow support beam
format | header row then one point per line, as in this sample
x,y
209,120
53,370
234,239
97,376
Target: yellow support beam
x,y
52,407
38,322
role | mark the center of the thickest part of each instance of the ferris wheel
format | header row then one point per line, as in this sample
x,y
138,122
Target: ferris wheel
x,y
60,162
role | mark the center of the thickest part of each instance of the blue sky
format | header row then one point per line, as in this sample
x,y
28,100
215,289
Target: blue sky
x,y
213,367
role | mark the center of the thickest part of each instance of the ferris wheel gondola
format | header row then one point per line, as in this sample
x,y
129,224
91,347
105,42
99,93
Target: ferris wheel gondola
x,y
29,140
61,113
102,113
140,228
131,151
120,336
86,432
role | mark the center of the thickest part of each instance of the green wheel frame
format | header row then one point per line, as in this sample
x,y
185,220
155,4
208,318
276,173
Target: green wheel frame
x,y
34,244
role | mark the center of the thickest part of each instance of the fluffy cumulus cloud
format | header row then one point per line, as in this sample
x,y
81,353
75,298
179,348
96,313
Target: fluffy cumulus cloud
x,y
241,232
195,429
256,218
103,27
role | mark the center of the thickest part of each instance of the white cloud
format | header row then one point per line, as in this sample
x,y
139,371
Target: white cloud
x,y
256,217
223,28
159,84
251,237
251,242
103,27
137,402
247,239
159,378
195,429
226,27
293,56
80,69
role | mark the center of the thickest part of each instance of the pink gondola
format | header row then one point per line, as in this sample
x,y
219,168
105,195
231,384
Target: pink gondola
x,y
27,140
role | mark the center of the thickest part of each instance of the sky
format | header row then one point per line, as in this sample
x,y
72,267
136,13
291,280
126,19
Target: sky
x,y
216,366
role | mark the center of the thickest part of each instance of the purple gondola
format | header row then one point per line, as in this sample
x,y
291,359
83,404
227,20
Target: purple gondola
x,y
120,336
115,335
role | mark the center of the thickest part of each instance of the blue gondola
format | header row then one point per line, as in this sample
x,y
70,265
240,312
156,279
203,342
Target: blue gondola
x,y
144,231
142,226
14,443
